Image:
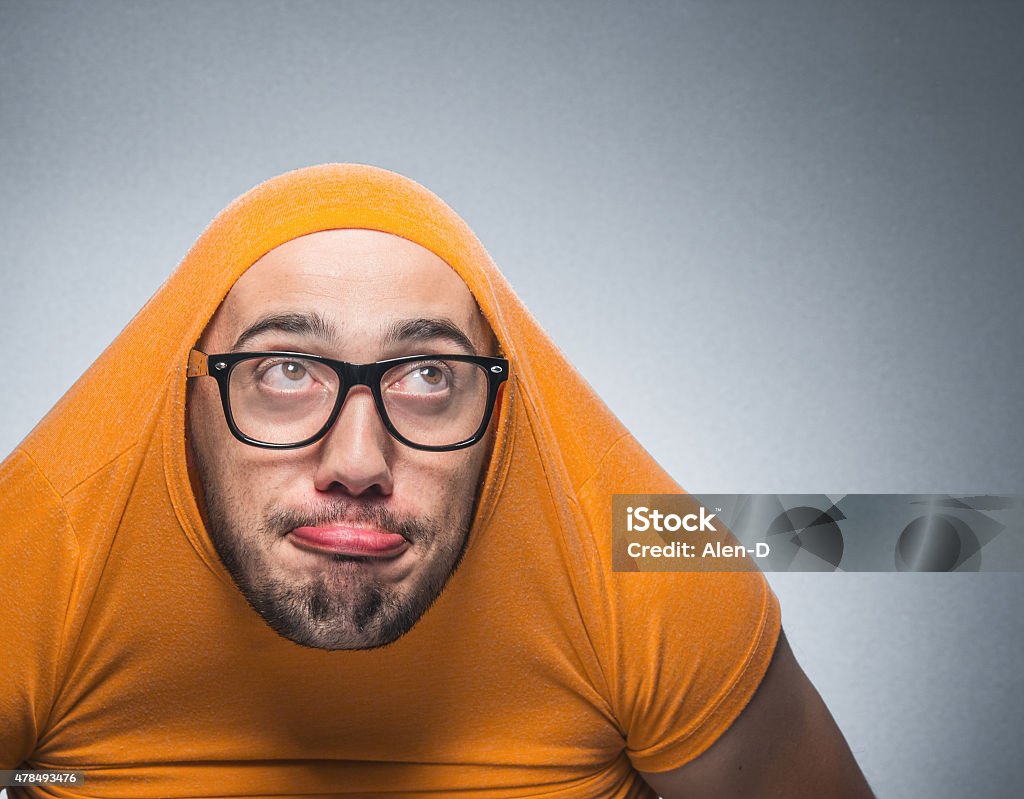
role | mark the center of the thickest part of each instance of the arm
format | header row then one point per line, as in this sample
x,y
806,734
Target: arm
x,y
785,743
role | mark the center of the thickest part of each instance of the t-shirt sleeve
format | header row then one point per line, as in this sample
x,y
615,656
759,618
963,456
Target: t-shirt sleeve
x,y
683,652
691,650
39,557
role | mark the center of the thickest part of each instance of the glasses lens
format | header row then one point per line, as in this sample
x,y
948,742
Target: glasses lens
x,y
435,402
281,399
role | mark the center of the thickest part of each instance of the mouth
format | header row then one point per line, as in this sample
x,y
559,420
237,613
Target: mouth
x,y
340,539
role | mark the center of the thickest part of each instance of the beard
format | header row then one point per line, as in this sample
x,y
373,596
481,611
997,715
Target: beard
x,y
344,606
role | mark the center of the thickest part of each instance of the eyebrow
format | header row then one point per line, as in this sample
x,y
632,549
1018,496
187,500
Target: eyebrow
x,y
404,331
304,324
412,331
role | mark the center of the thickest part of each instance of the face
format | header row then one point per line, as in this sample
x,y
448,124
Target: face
x,y
345,543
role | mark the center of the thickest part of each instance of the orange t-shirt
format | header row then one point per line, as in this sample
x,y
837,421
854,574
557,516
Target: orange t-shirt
x,y
129,654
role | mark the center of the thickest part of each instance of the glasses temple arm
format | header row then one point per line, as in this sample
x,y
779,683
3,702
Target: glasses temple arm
x,y
197,364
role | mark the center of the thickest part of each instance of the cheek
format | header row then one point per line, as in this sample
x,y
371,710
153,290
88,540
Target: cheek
x,y
446,482
204,416
227,468
262,480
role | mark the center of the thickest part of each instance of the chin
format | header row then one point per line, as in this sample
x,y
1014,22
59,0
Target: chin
x,y
342,614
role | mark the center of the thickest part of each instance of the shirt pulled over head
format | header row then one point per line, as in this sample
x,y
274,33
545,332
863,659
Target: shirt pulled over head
x,y
141,655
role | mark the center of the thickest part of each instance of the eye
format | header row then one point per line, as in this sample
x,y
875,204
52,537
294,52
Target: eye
x,y
430,375
422,378
284,375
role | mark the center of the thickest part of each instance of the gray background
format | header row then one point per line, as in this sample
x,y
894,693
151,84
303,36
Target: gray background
x,y
782,240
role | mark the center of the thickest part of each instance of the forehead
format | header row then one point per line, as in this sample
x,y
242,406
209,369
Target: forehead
x,y
361,281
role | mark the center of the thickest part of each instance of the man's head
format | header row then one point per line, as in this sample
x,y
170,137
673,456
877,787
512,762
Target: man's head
x,y
343,543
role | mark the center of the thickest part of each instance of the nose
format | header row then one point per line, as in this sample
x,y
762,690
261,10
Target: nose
x,y
354,456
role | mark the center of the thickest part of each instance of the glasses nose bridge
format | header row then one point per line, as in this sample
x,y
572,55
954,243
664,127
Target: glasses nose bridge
x,y
351,375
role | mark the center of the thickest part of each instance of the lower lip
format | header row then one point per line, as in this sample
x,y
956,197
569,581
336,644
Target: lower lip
x,y
352,541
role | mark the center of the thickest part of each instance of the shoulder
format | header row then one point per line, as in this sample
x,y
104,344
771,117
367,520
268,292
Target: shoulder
x,y
40,553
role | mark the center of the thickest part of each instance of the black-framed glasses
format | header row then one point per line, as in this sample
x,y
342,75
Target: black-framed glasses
x,y
287,400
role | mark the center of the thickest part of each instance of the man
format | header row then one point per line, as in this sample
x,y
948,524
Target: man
x,y
338,415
